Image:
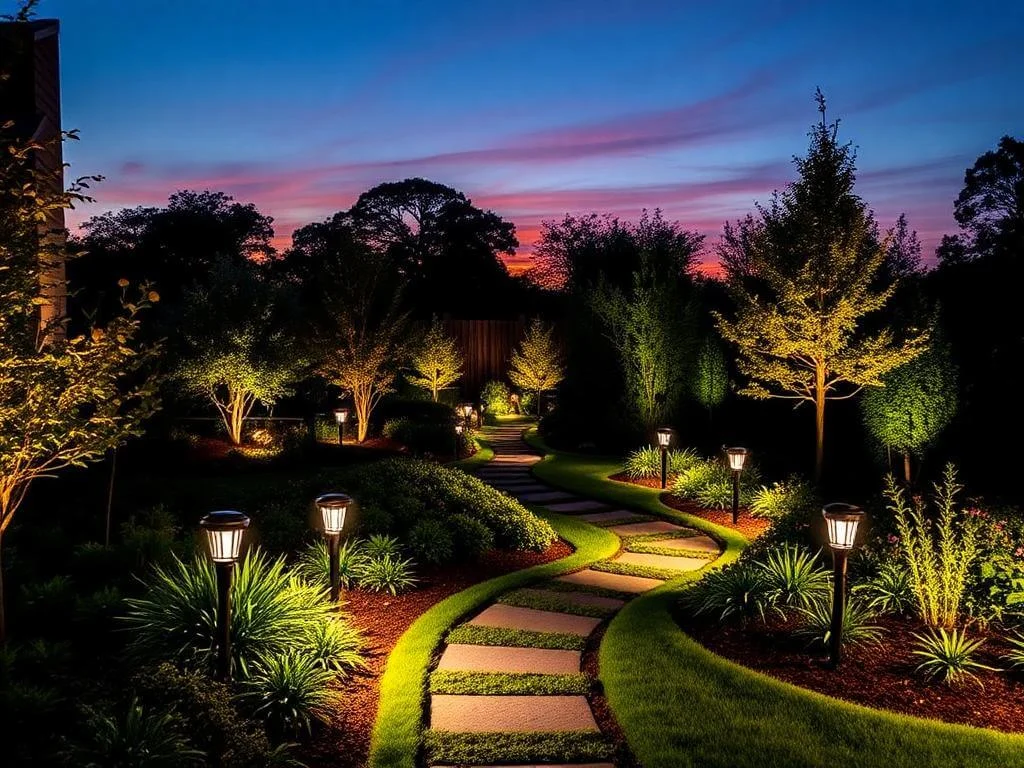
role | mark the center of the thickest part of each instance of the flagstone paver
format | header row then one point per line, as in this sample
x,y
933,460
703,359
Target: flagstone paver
x,y
473,714
547,495
616,514
514,617
691,543
671,562
638,529
617,581
583,505
496,658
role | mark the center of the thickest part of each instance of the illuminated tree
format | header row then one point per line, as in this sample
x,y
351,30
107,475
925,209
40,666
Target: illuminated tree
x,y
66,399
710,382
239,351
537,365
804,277
916,402
437,361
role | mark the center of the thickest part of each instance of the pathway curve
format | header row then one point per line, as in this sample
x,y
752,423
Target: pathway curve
x,y
572,606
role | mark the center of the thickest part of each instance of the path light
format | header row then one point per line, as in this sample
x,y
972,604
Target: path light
x,y
332,508
483,407
341,416
467,412
737,458
664,441
459,429
224,532
842,521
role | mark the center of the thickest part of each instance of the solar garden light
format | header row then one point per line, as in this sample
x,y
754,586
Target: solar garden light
x,y
664,441
467,411
459,429
341,416
737,458
842,521
332,508
224,532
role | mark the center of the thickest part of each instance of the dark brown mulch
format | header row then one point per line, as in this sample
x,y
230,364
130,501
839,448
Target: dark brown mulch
x,y
603,714
751,527
880,676
345,743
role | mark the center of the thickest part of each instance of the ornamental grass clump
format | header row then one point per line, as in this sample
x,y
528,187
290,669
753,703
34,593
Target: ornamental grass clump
x,y
709,483
938,553
858,628
644,463
793,578
736,591
949,656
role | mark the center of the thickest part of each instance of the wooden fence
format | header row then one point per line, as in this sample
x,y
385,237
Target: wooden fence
x,y
487,347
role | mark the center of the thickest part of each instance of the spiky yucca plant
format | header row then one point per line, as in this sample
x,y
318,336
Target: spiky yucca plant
x,y
857,626
314,563
949,656
289,691
793,577
736,591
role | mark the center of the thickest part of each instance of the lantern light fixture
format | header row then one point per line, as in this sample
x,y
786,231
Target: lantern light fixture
x,y
333,507
737,458
341,415
224,532
842,521
665,435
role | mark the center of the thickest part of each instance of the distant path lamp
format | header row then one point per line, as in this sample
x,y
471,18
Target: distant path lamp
x,y
224,532
481,409
665,435
737,458
842,521
459,430
467,412
333,507
341,416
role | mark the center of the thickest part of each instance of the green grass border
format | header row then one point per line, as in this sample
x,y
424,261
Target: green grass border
x,y
459,682
398,730
681,706
446,748
472,634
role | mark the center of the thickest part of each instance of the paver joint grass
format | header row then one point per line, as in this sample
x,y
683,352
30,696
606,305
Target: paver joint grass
x,y
553,601
469,634
508,684
445,748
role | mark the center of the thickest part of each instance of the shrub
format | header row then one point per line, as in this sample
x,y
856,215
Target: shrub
x,y
141,739
47,605
938,556
495,395
857,626
949,656
1015,656
314,564
387,574
709,483
420,438
736,591
781,499
646,462
335,645
382,546
471,537
289,691
96,613
431,542
150,537
793,578
890,590
689,482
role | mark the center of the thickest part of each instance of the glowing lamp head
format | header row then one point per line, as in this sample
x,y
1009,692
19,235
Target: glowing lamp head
x,y
459,429
664,437
224,532
842,521
341,415
483,407
467,409
737,458
332,508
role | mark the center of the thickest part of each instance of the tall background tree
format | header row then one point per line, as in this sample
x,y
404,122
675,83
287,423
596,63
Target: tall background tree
x,y
804,276
536,364
436,361
709,382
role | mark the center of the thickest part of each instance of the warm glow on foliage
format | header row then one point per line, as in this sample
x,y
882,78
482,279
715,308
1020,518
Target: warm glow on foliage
x,y
437,363
537,363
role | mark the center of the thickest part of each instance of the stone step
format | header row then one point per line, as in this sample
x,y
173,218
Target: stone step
x,y
583,505
689,543
517,489
672,562
617,581
537,765
513,617
547,495
496,658
651,526
616,514
475,714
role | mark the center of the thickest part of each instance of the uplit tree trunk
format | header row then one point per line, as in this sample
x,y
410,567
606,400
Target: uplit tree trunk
x,y
110,496
819,422
364,397
906,466
233,412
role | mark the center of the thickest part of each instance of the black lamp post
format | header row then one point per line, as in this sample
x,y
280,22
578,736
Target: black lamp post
x,y
664,442
224,532
842,521
341,416
332,508
459,429
482,407
737,458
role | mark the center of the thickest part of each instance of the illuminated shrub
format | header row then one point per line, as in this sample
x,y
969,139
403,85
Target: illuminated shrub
x,y
496,396
709,483
780,499
431,541
646,462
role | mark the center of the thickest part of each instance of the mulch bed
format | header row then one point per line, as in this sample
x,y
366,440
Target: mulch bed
x,y
603,714
345,742
880,676
751,527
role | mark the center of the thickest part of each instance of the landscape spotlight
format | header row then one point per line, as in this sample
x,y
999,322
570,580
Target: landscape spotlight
x,y
737,458
842,521
224,531
332,508
664,441
341,416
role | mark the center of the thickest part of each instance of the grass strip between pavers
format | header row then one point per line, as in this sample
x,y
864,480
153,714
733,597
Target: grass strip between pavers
x,y
553,601
471,634
445,748
632,569
454,681
652,548
680,534
681,706
590,589
398,729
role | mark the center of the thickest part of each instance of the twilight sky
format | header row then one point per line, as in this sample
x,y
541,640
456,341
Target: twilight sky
x,y
534,109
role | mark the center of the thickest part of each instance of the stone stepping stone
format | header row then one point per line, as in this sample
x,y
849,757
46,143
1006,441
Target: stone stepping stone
x,y
517,488
513,617
547,495
637,529
672,562
545,765
617,581
604,517
513,460
474,714
583,505
581,598
496,658
511,471
691,543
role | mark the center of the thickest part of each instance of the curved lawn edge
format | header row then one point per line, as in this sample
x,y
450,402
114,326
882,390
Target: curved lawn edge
x,y
397,731
681,705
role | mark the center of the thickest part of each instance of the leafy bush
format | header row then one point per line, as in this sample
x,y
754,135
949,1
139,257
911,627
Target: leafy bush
x,y
289,691
996,586
47,605
282,528
421,438
646,462
141,739
890,590
691,480
949,655
151,537
335,645
793,578
939,556
314,564
495,395
379,546
431,541
709,483
857,626
738,590
471,537
387,574
781,499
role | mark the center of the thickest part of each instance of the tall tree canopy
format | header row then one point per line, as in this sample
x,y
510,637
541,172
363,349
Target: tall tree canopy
x,y
804,275
536,365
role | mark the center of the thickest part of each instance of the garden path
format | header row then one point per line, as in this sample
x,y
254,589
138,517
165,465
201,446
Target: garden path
x,y
575,604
